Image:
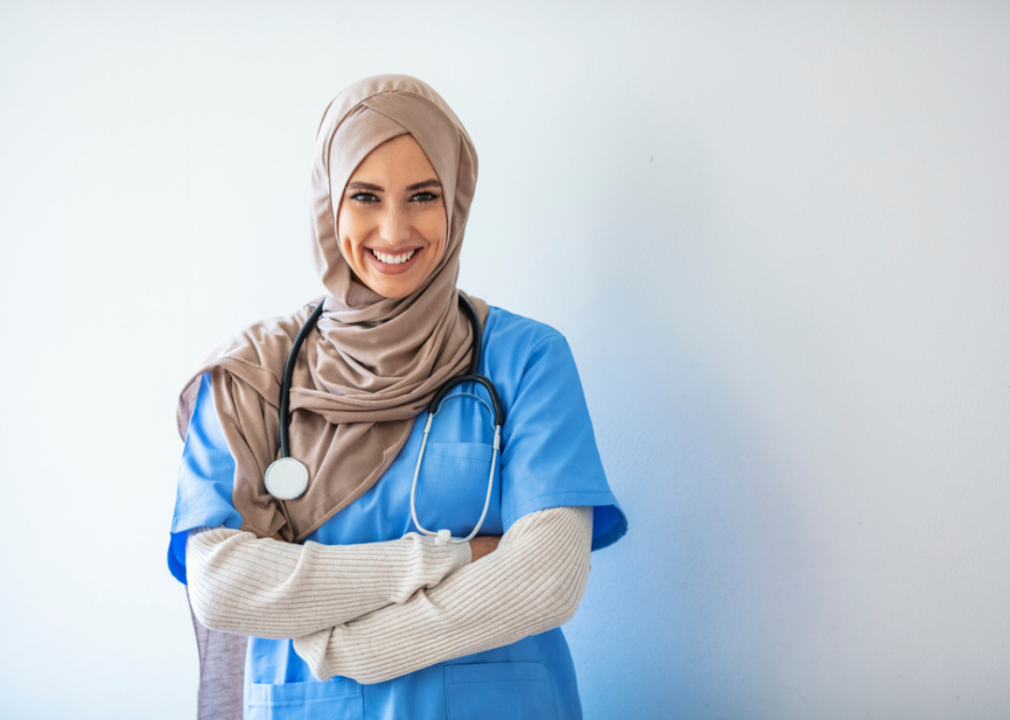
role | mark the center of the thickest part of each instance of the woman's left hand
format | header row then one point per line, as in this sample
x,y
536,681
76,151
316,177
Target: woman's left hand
x,y
483,545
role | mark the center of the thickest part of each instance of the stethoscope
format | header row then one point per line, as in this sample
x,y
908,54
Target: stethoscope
x,y
287,478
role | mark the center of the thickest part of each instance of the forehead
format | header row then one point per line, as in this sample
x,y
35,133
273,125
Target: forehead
x,y
399,158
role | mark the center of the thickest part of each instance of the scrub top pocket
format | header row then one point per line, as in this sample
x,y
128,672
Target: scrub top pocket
x,y
336,699
499,691
452,486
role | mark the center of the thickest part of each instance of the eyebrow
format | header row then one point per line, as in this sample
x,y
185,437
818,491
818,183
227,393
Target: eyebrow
x,y
426,183
376,188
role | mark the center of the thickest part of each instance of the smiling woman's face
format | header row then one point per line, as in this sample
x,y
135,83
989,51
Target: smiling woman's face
x,y
391,224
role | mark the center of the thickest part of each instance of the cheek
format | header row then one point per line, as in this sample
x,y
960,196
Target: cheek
x,y
435,230
349,229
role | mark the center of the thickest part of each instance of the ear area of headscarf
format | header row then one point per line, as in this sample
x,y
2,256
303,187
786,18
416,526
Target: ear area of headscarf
x,y
466,184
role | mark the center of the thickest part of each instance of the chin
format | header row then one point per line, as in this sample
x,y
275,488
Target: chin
x,y
394,291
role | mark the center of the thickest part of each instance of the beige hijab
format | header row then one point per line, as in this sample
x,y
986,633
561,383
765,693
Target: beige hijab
x,y
372,363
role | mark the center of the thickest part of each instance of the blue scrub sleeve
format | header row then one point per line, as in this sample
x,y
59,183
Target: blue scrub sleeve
x,y
550,458
206,477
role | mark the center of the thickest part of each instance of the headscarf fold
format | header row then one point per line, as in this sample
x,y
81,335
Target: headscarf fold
x,y
372,363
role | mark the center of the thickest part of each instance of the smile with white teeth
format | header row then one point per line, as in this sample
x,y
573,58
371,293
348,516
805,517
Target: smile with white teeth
x,y
393,259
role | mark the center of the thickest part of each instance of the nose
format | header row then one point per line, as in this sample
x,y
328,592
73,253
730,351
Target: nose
x,y
394,227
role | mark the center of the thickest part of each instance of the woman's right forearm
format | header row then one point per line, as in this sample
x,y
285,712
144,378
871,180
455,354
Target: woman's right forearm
x,y
268,588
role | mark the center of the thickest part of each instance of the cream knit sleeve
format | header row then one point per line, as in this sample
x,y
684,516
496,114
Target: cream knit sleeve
x,y
273,589
533,582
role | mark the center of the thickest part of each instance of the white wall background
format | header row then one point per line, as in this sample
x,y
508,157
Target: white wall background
x,y
777,235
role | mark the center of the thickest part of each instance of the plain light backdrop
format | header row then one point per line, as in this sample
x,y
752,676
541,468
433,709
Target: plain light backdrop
x,y
776,235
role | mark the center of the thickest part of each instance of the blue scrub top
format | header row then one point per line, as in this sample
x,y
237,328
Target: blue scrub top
x,y
548,459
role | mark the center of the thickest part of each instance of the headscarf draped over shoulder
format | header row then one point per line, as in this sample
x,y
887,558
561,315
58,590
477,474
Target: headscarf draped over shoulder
x,y
372,363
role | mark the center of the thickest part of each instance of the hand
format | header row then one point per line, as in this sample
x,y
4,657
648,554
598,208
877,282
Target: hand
x,y
484,545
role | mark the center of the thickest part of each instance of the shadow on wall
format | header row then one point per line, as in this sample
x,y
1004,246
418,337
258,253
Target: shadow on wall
x,y
678,619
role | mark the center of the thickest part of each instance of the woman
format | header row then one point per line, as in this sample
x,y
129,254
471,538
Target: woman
x,y
351,610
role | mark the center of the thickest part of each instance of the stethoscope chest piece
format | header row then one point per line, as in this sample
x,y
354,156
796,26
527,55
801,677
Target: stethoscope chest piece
x,y
286,478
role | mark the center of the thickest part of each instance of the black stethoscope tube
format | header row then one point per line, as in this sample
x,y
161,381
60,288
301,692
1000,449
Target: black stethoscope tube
x,y
474,374
289,371
436,401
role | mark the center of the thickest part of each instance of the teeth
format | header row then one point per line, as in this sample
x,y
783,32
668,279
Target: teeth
x,y
394,259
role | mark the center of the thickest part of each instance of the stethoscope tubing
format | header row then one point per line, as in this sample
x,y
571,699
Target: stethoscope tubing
x,y
286,462
442,538
289,371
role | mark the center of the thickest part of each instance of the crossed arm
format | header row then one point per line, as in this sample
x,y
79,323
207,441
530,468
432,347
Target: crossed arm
x,y
376,611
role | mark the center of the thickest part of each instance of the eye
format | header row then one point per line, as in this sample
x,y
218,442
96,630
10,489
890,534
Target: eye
x,y
364,198
424,197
